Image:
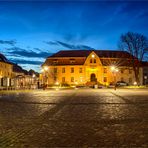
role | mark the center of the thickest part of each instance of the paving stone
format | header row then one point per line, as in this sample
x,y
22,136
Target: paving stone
x,y
74,118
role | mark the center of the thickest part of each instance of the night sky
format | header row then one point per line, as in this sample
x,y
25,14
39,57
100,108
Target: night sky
x,y
31,31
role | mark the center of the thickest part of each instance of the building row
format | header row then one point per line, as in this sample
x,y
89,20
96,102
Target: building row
x,y
87,67
13,76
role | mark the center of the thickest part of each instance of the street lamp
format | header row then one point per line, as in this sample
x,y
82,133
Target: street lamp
x,y
45,68
113,68
135,83
145,80
33,75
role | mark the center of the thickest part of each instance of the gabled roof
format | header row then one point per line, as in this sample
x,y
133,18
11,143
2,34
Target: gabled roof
x,y
19,69
85,53
4,59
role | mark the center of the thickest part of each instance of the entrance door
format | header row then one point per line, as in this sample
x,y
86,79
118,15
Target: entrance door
x,y
93,78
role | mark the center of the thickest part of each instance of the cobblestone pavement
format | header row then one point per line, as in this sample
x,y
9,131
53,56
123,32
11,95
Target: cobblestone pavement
x,y
74,118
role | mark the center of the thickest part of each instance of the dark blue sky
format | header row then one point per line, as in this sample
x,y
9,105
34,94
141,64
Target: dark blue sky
x,y
30,31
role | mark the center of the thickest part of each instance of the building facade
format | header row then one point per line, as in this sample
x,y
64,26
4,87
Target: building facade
x,y
86,67
13,76
5,72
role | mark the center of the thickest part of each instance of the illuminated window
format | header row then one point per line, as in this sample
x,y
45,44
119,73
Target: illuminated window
x,y
92,60
80,70
63,70
122,70
63,79
55,78
55,70
105,70
130,71
72,79
105,79
72,70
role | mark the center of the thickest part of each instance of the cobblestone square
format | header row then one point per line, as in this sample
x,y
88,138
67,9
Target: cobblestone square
x,y
74,118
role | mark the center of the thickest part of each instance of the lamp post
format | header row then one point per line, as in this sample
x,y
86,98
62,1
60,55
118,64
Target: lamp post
x,y
145,80
114,71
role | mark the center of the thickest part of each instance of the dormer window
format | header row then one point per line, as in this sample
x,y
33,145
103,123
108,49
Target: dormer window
x,y
90,60
72,61
55,61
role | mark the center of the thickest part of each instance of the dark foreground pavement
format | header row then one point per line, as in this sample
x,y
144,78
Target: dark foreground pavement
x,y
74,118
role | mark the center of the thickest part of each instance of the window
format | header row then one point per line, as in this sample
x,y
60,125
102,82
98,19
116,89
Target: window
x,y
122,71
92,60
80,70
72,79
55,70
63,70
55,78
63,79
72,70
105,79
72,61
55,61
105,70
130,71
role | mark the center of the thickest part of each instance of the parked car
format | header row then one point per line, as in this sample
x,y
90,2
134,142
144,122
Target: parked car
x,y
121,83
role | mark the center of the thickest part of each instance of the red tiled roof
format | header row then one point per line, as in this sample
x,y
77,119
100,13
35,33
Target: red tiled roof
x,y
63,61
144,64
85,53
107,57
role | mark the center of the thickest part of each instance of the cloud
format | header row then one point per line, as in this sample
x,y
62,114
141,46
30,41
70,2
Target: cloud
x,y
21,61
51,43
8,42
16,51
69,46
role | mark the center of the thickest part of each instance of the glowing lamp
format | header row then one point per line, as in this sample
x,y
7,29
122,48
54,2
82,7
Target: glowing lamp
x,y
45,68
113,68
92,55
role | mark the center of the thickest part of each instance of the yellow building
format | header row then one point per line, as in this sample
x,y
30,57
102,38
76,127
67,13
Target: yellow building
x,y
13,76
5,72
86,67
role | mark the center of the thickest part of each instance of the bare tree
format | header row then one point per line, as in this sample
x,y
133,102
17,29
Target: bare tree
x,y
137,45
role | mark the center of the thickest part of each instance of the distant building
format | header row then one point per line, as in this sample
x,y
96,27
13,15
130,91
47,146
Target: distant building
x,y
145,73
13,76
5,72
86,67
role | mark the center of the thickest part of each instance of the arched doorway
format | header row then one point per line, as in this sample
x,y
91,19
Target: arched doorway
x,y
93,78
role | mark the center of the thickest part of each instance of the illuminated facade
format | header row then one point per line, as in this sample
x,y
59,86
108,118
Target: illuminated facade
x,y
86,67
13,76
5,72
